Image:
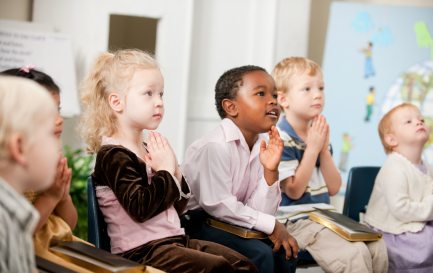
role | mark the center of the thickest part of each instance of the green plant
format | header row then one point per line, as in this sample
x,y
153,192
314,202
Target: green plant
x,y
81,165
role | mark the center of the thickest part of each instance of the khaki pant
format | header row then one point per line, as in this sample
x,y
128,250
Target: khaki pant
x,y
335,254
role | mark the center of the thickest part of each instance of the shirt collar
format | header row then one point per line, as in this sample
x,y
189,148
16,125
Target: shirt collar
x,y
109,141
233,133
285,126
18,206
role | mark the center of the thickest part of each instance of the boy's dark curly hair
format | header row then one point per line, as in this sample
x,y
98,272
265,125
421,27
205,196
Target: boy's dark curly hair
x,y
229,83
35,75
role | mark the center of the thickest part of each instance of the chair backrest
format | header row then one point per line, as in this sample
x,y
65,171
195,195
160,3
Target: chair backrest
x,y
97,228
360,184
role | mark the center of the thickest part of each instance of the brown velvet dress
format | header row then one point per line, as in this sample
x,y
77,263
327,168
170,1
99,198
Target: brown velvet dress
x,y
125,174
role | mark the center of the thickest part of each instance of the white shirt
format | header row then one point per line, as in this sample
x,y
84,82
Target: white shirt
x,y
226,179
402,197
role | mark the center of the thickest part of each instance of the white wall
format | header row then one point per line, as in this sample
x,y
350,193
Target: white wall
x,y
196,42
229,33
87,24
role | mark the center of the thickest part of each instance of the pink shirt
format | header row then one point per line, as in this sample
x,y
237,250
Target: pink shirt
x,y
124,232
226,179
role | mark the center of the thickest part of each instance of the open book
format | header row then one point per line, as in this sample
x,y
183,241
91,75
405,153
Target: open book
x,y
295,212
344,226
95,259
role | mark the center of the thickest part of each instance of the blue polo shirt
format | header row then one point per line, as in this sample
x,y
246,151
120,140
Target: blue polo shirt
x,y
294,148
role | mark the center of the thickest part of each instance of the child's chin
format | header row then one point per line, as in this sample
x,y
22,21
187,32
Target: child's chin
x,y
267,127
42,187
152,127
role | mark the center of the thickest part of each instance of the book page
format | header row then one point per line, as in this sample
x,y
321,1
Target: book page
x,y
296,212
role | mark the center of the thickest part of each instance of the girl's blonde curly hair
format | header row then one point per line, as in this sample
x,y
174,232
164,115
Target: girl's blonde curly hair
x,y
111,72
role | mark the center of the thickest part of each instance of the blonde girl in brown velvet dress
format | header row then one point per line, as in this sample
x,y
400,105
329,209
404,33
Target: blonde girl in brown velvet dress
x,y
140,188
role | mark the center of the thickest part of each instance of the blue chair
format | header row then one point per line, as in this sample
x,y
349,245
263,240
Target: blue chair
x,y
97,228
360,184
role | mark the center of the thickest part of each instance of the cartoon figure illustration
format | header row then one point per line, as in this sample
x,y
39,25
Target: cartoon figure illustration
x,y
370,103
423,37
368,64
346,146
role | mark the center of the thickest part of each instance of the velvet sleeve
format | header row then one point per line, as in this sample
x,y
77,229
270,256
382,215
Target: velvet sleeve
x,y
181,203
122,171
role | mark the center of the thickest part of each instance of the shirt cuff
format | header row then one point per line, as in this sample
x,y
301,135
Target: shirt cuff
x,y
179,187
268,191
265,223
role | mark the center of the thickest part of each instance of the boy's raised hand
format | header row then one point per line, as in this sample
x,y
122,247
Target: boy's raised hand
x,y
317,134
280,237
270,155
159,155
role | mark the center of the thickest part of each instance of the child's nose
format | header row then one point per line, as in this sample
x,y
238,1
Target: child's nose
x,y
273,101
59,120
159,102
318,94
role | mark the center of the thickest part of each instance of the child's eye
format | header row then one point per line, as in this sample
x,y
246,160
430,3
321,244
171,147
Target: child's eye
x,y
408,121
321,88
422,121
307,89
148,93
261,94
161,94
274,95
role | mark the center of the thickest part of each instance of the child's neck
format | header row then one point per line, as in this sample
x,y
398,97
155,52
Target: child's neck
x,y
250,137
130,139
299,125
412,153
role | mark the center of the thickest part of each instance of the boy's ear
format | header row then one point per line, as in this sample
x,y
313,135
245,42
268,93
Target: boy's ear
x,y
282,99
115,102
16,149
230,107
391,140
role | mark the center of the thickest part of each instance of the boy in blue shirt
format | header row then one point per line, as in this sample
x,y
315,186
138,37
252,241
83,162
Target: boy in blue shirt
x,y
308,173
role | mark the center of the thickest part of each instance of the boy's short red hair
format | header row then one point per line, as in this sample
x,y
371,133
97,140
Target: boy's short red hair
x,y
385,124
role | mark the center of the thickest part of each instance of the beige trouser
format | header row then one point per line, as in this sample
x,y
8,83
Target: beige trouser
x,y
335,254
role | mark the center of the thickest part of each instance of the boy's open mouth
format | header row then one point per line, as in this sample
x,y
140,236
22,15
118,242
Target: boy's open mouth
x,y
273,113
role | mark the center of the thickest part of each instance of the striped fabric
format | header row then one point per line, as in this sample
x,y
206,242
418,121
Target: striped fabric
x,y
294,148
